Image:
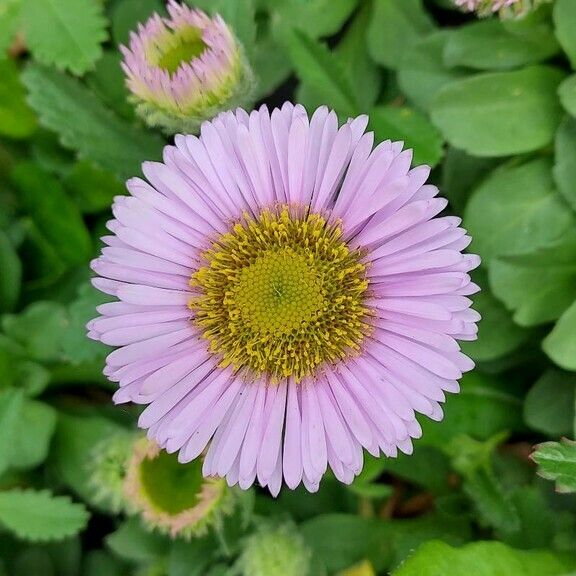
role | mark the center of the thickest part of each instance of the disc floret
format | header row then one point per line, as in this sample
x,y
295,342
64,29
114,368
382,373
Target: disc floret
x,y
281,294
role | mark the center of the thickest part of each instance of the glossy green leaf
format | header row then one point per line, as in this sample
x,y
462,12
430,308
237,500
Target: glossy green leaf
x,y
537,287
565,23
565,167
516,210
395,27
500,113
567,93
410,126
482,559
422,72
489,45
549,405
560,344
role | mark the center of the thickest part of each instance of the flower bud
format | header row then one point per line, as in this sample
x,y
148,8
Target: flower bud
x,y
184,69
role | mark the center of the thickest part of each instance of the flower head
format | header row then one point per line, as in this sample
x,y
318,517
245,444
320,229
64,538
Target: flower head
x,y
287,296
276,550
506,8
184,69
172,497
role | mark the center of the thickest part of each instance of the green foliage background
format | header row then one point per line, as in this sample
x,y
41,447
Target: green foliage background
x,y
490,105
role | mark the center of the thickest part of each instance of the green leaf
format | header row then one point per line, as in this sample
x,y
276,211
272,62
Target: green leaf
x,y
500,113
482,559
133,542
96,134
9,23
557,462
11,402
11,276
358,67
537,287
422,72
65,33
549,405
191,558
560,344
98,563
39,516
35,430
498,336
395,27
240,15
74,440
340,540
403,123
55,215
320,69
489,45
462,173
38,329
77,348
565,168
16,118
516,210
485,406
93,189
126,16
567,93
315,18
565,23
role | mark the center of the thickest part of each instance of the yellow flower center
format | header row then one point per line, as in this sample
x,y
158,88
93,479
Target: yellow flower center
x,y
176,47
281,295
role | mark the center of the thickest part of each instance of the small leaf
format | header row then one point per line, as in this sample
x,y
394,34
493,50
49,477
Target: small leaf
x,y
516,210
96,134
35,430
422,72
489,45
557,462
40,516
537,287
500,113
549,405
567,93
66,34
565,22
437,558
565,168
396,26
413,128
560,344
321,70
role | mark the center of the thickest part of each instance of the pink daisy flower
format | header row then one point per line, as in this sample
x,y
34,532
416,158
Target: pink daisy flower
x,y
287,296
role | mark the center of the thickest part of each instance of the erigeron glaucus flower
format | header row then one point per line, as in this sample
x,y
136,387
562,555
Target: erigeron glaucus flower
x,y
505,8
287,296
173,498
184,69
